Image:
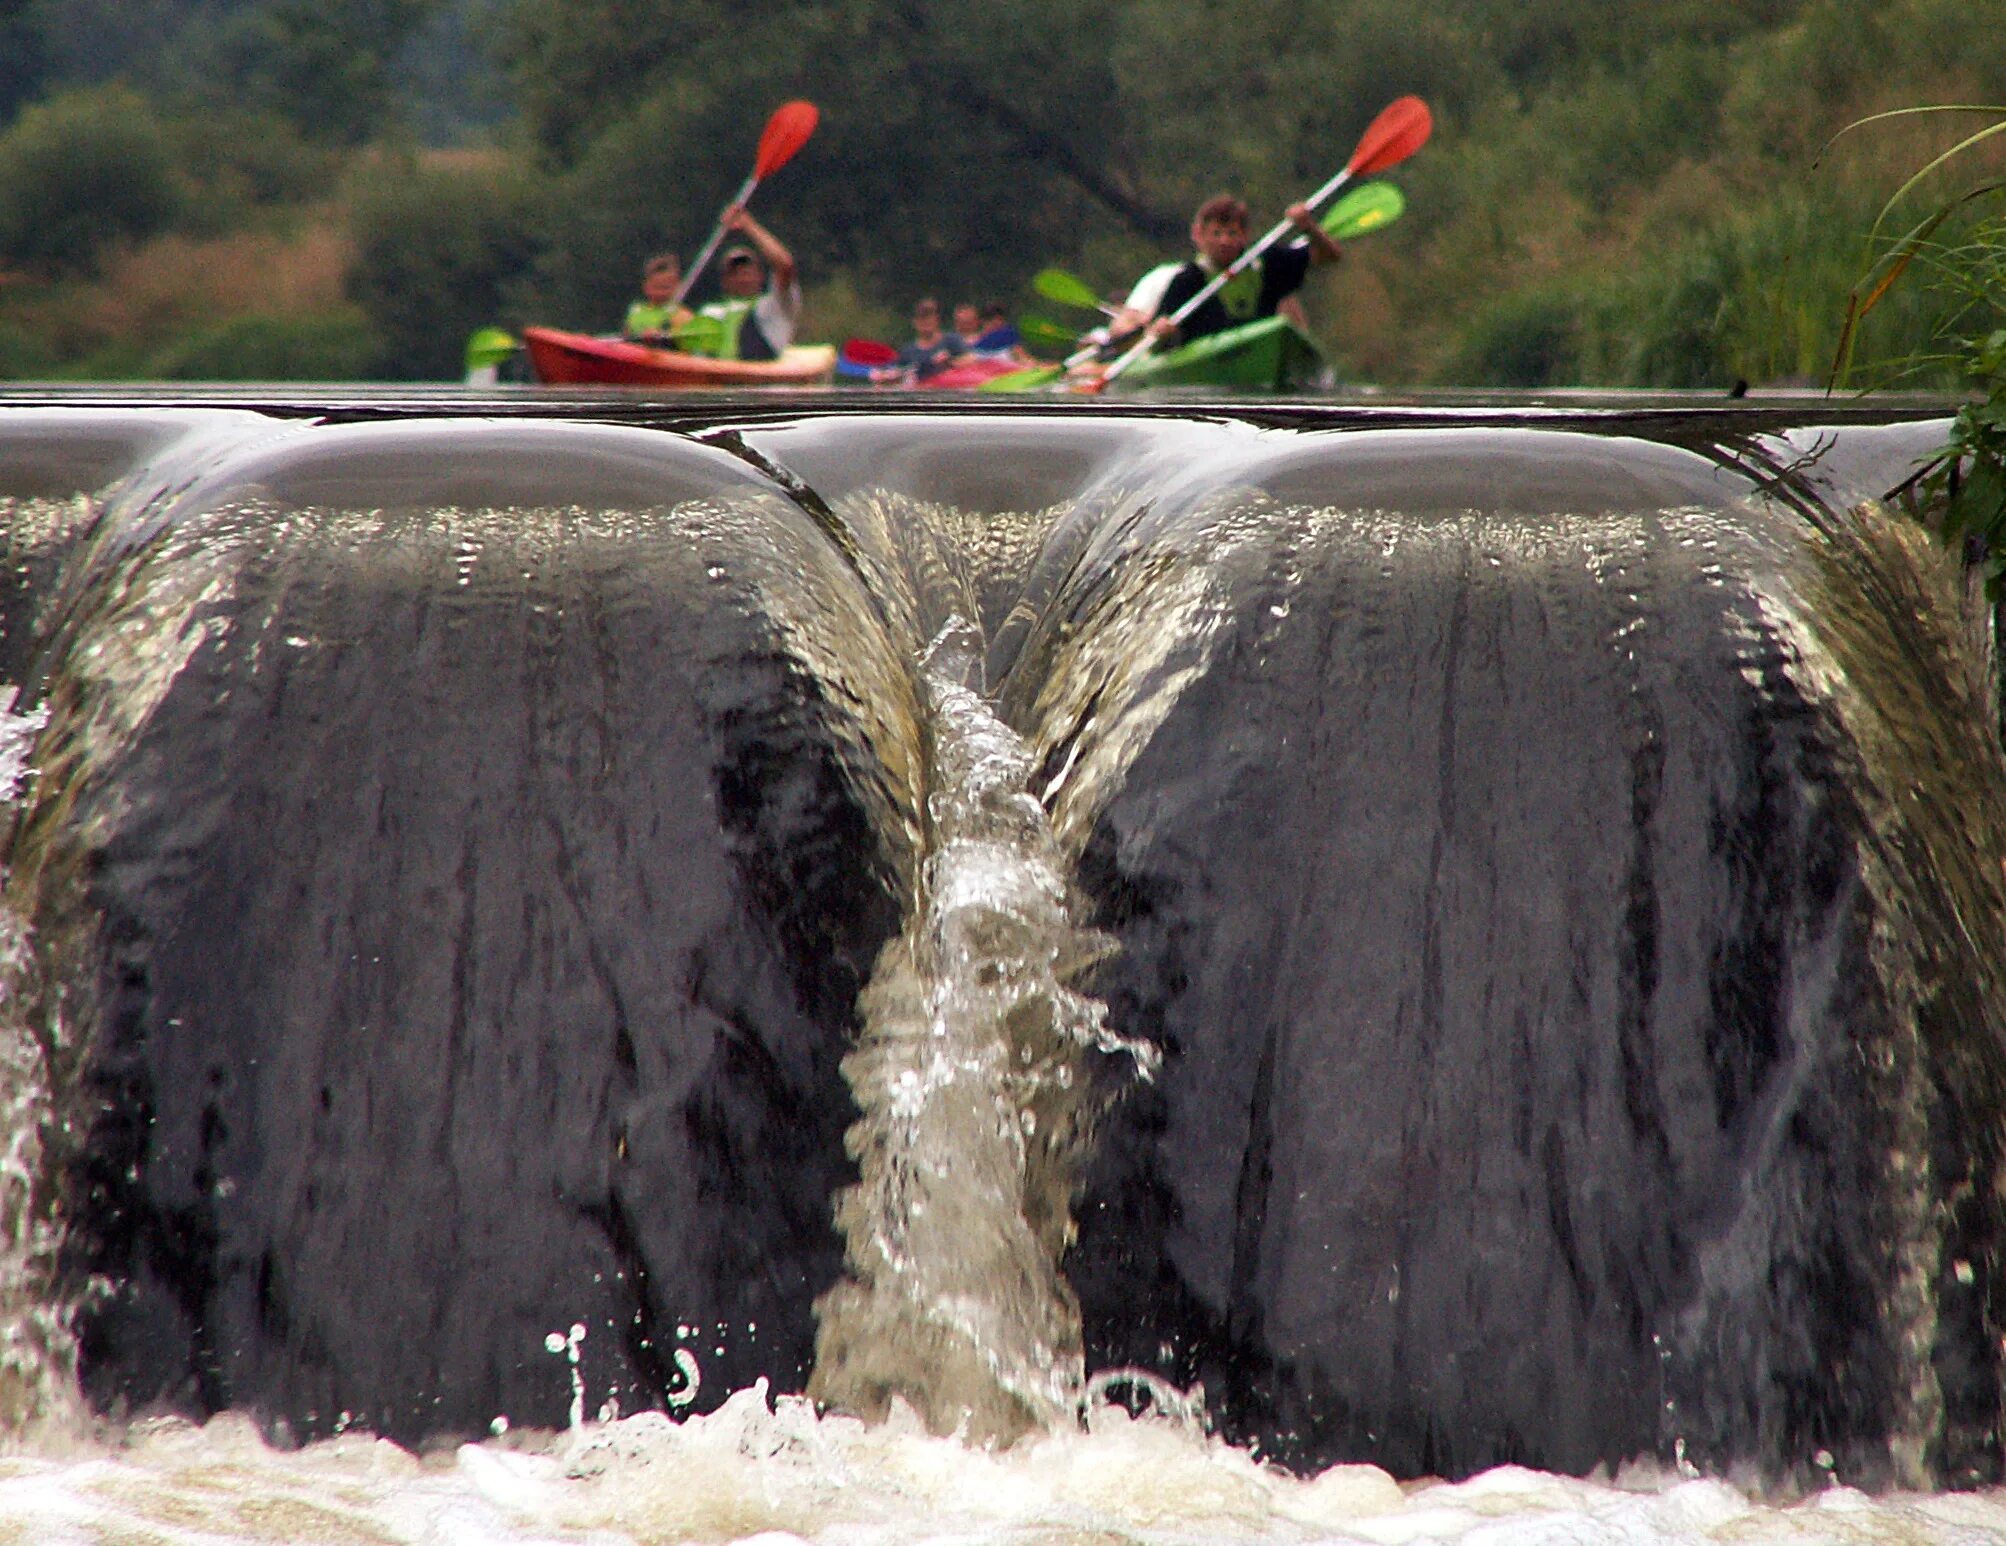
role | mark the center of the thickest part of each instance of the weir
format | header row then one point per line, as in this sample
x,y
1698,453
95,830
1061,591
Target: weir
x,y
1453,934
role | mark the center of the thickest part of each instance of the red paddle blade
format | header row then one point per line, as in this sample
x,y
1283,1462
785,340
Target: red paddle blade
x,y
868,351
1400,129
786,132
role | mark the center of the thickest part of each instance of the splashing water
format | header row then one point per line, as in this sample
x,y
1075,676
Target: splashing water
x,y
776,1473
976,1106
37,1349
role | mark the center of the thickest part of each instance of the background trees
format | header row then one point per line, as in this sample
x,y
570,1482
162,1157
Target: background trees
x,y
1615,194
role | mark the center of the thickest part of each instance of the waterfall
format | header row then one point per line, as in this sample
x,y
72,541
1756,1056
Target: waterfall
x,y
1451,936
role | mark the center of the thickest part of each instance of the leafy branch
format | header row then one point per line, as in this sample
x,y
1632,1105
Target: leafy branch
x,y
1967,478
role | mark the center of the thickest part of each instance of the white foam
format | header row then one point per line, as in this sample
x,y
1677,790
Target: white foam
x,y
761,1473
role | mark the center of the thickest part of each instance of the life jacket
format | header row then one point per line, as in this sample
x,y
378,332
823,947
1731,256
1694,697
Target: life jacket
x,y
735,313
1241,295
1233,304
647,317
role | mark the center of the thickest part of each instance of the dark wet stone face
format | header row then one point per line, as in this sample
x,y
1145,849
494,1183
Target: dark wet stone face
x,y
1558,862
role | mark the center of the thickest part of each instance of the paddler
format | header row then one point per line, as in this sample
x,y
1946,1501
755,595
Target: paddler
x,y
762,295
1218,237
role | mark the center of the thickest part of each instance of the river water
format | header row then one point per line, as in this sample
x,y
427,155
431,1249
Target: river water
x,y
765,969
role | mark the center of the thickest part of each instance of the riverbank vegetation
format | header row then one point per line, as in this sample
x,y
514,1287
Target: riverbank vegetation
x,y
1626,195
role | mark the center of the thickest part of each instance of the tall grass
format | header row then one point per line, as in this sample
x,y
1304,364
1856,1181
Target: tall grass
x,y
151,300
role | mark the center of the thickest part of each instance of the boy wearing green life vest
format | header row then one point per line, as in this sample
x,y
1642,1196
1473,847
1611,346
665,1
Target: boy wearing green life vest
x,y
762,295
1218,237
654,318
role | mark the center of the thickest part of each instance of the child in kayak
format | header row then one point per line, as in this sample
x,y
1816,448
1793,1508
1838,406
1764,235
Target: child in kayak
x,y
654,318
996,338
930,352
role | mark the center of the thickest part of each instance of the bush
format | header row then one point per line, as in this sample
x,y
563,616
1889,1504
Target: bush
x,y
1615,133
240,160
1760,297
1527,338
325,346
80,172
22,355
437,252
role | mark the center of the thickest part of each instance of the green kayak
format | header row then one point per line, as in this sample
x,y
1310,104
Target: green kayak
x,y
1264,356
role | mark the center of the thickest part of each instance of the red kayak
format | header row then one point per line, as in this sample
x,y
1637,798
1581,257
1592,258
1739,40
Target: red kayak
x,y
579,359
968,375
862,358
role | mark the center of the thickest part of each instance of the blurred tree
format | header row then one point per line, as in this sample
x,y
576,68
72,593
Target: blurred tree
x,y
326,65
83,170
436,253
959,138
22,57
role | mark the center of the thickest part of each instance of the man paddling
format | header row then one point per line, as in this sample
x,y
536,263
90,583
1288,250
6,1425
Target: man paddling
x,y
1218,237
757,314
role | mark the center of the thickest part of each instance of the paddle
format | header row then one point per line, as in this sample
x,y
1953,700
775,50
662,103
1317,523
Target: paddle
x,y
1055,284
490,346
1401,128
868,351
1052,335
866,360
786,132
1363,210
1049,334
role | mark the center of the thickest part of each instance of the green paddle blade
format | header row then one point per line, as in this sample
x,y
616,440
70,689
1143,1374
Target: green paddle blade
x,y
1055,284
1026,380
1039,330
1363,210
489,346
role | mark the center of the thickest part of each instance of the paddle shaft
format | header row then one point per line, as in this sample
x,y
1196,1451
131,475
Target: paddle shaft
x,y
1245,260
716,235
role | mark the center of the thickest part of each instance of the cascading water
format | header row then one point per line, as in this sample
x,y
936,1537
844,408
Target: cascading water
x,y
1433,940
969,1071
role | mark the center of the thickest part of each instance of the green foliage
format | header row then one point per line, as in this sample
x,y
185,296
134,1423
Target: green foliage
x,y
81,171
960,138
23,356
1755,298
327,346
966,145
324,64
1615,195
1965,269
242,160
1971,477
1617,131
437,253
339,70
1524,338
22,64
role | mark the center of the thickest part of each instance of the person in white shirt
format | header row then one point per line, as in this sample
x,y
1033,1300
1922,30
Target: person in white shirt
x,y
1218,236
761,304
